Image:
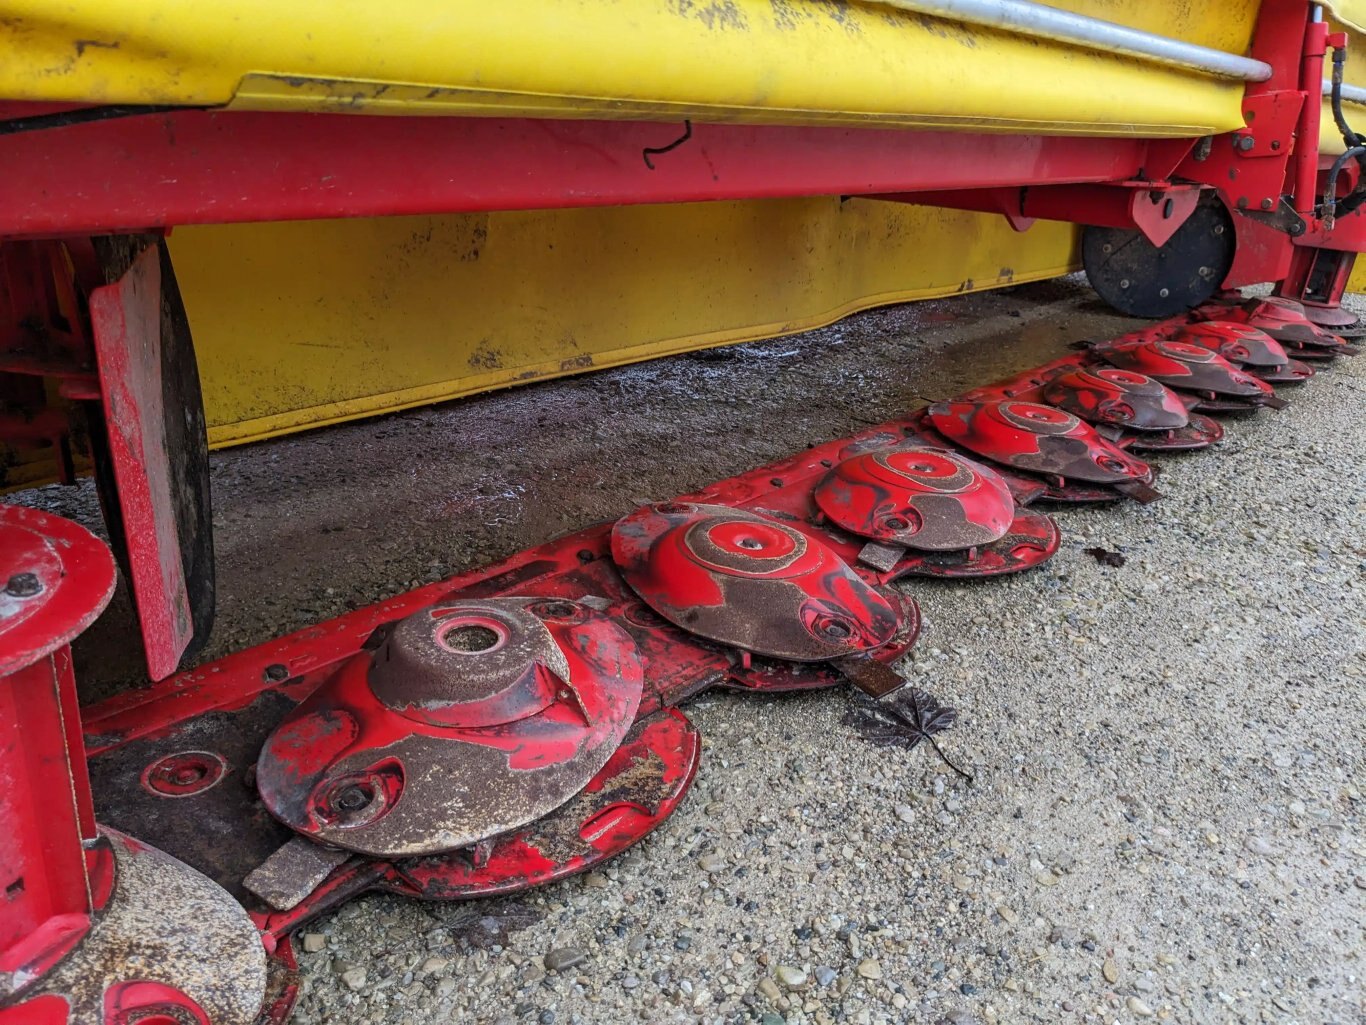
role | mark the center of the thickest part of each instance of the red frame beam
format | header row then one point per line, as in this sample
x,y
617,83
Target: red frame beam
x,y
196,167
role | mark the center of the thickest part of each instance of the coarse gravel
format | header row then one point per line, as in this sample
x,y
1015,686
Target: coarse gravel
x,y
1165,821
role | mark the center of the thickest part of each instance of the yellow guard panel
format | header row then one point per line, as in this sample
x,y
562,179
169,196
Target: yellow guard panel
x,y
790,61
305,323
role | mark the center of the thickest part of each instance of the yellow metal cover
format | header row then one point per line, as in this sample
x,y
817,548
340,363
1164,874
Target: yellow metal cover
x,y
306,323
790,61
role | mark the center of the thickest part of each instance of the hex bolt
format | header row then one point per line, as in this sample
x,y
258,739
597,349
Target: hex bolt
x,y
276,673
1246,142
23,585
1266,204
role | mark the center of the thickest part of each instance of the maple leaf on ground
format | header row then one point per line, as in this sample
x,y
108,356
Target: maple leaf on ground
x,y
904,717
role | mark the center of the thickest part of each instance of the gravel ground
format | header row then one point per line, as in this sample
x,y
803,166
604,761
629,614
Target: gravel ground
x,y
1165,820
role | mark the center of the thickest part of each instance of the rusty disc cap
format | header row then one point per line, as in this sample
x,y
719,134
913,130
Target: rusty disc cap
x,y
1108,395
918,497
1240,344
751,582
1193,367
1038,438
472,718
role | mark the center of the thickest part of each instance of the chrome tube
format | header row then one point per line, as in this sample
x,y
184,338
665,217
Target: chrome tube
x,y
1350,93
1041,21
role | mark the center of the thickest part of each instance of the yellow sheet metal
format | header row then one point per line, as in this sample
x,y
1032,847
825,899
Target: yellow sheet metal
x,y
306,323
791,61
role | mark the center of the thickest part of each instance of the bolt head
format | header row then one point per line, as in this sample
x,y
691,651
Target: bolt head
x,y
23,585
1124,283
1164,293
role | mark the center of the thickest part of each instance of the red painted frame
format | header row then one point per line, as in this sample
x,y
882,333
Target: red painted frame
x,y
197,167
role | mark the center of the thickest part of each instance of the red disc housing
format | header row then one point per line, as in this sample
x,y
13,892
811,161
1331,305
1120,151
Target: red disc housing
x,y
1108,395
751,582
917,497
1038,438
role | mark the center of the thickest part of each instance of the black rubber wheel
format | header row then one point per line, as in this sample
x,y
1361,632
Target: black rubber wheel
x,y
1143,280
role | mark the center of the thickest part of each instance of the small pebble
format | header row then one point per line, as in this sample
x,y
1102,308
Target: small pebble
x,y
870,969
564,957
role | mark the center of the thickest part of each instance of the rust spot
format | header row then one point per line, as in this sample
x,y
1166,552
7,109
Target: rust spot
x,y
715,14
486,358
577,362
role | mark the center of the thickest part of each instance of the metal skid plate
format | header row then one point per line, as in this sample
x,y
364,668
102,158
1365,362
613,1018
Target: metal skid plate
x,y
1200,432
1293,372
750,582
1031,540
471,718
917,497
1038,439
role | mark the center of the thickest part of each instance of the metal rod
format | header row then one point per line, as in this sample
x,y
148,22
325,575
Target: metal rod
x,y
1038,20
1350,93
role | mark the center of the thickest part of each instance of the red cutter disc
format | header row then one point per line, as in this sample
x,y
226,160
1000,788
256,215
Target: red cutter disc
x,y
750,582
1107,395
1286,321
1193,368
472,718
1240,344
1041,439
640,786
917,497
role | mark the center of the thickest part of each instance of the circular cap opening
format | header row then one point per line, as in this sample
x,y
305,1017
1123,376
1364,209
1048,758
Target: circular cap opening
x,y
469,635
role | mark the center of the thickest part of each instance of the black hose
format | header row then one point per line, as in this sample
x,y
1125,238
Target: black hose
x,y
80,116
1332,206
1348,136
1330,201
